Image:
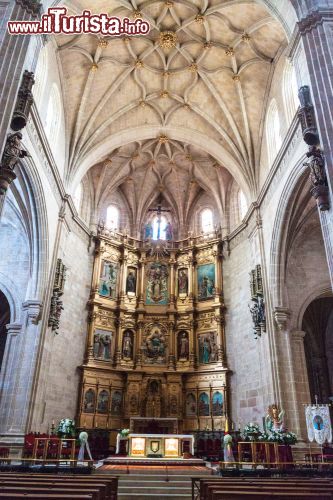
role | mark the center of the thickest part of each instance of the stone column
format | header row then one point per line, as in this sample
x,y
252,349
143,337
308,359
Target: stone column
x,y
13,51
312,54
301,380
18,373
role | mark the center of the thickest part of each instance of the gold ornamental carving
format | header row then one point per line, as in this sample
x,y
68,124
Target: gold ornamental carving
x,y
167,39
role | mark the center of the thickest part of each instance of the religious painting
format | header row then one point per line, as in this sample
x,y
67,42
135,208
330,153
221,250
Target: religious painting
x,y
208,349
102,344
217,405
103,402
204,405
182,281
116,402
127,344
154,346
191,405
131,281
89,401
206,281
157,284
183,346
108,279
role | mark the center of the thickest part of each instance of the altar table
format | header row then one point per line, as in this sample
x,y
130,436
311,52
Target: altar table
x,y
157,445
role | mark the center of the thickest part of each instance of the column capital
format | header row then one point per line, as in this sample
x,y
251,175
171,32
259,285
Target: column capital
x,y
14,328
33,308
313,19
281,317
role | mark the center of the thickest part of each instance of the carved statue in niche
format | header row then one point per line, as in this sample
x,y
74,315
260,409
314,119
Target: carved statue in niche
x,y
208,349
153,403
108,280
157,284
155,346
183,345
133,403
183,281
131,281
102,344
173,405
128,344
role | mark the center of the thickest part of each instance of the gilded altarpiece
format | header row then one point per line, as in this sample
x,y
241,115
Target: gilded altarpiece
x,y
155,344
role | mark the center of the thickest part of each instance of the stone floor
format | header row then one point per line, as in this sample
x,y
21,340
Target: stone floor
x,y
154,482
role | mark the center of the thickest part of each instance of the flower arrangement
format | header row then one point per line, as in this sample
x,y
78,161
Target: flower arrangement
x,y
124,432
282,437
263,436
66,428
289,438
275,437
251,432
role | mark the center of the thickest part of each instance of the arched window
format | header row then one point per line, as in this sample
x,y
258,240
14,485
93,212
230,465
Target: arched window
x,y
159,228
273,131
242,203
290,91
77,198
112,217
207,220
53,115
40,76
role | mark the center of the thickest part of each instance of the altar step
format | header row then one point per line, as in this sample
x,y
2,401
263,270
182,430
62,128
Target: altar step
x,y
143,486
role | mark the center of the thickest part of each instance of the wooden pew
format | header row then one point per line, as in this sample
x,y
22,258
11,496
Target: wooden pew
x,y
33,483
110,482
37,496
244,495
206,485
45,490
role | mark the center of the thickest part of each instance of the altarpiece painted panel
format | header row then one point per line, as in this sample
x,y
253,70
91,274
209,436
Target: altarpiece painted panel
x,y
108,279
157,284
206,281
102,344
208,349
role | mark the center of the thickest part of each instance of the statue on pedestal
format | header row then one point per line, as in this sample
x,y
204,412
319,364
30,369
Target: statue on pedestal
x,y
274,419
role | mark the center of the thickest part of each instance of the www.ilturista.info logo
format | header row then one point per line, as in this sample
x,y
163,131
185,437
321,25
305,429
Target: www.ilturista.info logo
x,y
57,21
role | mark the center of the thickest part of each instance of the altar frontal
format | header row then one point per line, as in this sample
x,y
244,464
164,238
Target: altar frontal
x,y
159,445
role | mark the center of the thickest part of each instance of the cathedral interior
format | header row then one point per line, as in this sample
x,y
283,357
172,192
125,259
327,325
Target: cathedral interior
x,y
166,221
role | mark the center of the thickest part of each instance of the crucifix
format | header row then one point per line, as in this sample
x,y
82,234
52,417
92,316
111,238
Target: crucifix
x,y
159,210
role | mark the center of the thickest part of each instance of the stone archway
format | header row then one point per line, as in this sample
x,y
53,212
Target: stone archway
x,y
5,314
318,343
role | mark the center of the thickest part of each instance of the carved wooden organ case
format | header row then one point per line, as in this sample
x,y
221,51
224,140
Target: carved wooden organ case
x,y
156,342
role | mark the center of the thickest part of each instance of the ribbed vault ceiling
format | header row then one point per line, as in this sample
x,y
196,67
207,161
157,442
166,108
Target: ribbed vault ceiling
x,y
213,81
140,171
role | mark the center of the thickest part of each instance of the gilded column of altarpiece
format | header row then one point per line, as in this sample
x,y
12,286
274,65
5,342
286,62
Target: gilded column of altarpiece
x,y
155,344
